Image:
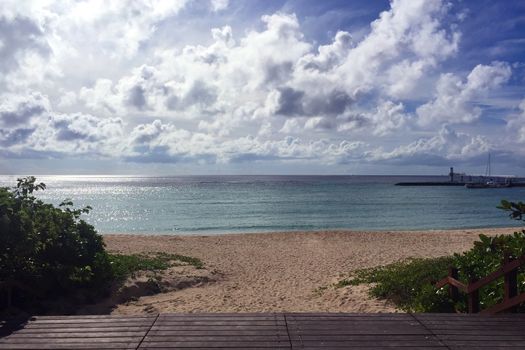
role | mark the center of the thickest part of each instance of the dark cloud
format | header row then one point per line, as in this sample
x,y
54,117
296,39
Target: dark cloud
x,y
137,98
160,154
277,72
296,103
16,36
15,136
290,102
199,94
30,154
334,104
250,157
22,114
356,120
64,132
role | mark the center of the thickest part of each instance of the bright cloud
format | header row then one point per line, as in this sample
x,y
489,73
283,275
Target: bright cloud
x,y
106,80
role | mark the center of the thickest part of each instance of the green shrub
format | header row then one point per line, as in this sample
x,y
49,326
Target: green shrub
x,y
49,249
124,266
486,257
408,284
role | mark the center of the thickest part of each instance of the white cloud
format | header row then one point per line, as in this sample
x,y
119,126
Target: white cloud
x,y
409,34
219,5
448,144
16,110
267,93
232,84
455,100
516,123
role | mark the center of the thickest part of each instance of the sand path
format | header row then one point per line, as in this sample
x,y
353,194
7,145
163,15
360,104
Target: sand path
x,y
284,271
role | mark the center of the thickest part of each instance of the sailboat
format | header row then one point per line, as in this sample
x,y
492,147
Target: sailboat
x,y
490,183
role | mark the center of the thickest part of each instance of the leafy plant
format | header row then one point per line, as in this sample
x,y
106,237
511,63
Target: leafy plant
x,y
517,210
484,258
410,284
126,265
49,249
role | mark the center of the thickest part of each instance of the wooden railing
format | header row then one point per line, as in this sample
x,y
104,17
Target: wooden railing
x,y
511,299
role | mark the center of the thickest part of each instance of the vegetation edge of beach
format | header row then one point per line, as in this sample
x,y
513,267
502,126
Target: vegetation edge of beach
x,y
409,284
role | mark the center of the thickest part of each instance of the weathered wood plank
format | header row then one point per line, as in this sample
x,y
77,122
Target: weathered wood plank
x,y
264,331
80,329
26,335
278,347
224,333
223,323
214,344
216,338
23,340
68,346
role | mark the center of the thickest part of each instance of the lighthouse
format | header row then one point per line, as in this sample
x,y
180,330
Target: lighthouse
x,y
451,174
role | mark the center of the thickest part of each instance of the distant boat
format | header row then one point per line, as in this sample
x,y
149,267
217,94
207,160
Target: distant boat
x,y
489,183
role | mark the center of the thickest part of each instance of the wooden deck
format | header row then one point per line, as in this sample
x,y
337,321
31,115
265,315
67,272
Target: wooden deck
x,y
269,330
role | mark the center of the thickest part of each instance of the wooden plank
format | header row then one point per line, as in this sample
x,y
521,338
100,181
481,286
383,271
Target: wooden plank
x,y
520,337
371,347
469,316
216,338
68,346
224,344
23,340
79,333
463,347
224,323
96,317
92,320
84,325
223,332
361,332
364,344
82,330
222,316
326,331
72,335
366,337
279,347
214,328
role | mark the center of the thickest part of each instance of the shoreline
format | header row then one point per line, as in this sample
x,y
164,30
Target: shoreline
x,y
293,272
345,230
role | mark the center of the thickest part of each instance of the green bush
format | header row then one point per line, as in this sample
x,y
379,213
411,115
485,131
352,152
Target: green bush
x,y
408,284
49,249
486,257
124,266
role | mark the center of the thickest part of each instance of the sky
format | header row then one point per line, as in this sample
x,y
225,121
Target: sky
x,y
160,87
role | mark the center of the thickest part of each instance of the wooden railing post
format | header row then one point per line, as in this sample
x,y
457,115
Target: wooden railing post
x,y
510,282
453,291
473,299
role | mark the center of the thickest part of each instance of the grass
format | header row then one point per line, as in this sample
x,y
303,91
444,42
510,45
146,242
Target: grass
x,y
408,284
126,265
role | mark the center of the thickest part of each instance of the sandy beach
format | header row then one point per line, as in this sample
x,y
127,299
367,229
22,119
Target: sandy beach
x,y
291,271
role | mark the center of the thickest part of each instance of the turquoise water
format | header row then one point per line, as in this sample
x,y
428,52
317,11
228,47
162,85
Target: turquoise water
x,y
219,204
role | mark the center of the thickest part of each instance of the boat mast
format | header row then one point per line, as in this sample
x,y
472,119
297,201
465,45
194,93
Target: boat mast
x,y
487,170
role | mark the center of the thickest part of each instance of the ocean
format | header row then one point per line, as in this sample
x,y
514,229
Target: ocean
x,y
234,204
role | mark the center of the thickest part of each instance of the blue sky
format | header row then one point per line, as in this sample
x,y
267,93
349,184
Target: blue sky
x,y
267,87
